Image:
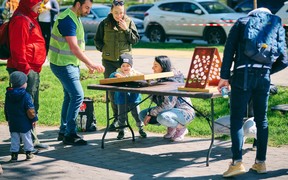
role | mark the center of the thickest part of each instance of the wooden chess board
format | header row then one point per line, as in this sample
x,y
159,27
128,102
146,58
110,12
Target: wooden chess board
x,y
146,77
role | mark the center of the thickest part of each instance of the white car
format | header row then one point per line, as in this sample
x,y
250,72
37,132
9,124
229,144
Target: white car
x,y
283,14
187,20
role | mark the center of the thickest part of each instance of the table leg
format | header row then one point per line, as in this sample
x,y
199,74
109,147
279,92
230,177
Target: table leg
x,y
210,125
127,121
108,119
212,130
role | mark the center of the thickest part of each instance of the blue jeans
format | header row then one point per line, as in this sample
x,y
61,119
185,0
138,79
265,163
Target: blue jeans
x,y
169,118
258,85
69,76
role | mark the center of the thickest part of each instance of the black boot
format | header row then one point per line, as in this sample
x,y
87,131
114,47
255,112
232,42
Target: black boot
x,y
29,155
14,157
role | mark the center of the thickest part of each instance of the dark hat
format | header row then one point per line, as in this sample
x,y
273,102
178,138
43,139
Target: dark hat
x,y
126,58
17,79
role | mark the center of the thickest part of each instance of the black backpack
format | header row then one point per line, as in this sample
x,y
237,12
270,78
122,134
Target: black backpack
x,y
4,37
86,121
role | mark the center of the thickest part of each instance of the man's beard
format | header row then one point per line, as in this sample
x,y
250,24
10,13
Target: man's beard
x,y
83,15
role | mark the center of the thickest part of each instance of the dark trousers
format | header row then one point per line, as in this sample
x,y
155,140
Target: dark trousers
x,y
110,67
46,32
258,84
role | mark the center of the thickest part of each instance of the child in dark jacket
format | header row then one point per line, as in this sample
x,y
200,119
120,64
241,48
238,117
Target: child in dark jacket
x,y
20,114
126,70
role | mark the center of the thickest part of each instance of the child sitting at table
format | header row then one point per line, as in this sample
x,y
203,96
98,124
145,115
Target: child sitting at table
x,y
130,103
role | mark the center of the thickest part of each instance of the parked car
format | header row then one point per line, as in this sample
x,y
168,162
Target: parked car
x,y
97,14
187,20
247,6
283,14
138,11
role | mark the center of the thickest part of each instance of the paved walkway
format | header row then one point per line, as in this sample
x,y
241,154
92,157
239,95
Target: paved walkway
x,y
150,158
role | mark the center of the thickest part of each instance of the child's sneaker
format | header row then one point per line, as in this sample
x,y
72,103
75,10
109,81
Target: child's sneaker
x,y
29,155
234,170
260,168
179,135
14,157
142,133
120,135
170,133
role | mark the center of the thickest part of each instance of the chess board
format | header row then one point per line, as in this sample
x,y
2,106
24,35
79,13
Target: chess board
x,y
146,77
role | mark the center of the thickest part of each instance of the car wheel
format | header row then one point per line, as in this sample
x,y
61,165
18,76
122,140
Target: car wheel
x,y
156,34
215,36
187,41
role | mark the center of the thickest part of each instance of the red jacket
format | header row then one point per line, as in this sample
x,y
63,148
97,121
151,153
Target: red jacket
x,y
27,44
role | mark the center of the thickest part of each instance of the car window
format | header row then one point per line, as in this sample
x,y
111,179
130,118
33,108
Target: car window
x,y
245,7
169,7
178,7
144,8
216,7
101,12
132,9
190,8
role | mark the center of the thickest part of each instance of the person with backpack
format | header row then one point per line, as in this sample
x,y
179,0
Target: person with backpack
x,y
264,34
27,49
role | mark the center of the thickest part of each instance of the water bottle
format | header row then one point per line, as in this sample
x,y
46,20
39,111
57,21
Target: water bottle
x,y
84,122
224,92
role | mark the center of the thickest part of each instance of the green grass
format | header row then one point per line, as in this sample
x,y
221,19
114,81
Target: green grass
x,y
51,95
167,46
173,46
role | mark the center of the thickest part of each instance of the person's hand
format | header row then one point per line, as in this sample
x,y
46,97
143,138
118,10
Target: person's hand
x,y
123,25
34,124
146,120
223,83
98,67
118,75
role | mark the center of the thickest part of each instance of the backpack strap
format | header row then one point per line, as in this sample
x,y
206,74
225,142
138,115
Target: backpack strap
x,y
31,25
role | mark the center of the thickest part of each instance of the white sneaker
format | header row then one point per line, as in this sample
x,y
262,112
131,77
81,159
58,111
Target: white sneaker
x,y
170,133
180,134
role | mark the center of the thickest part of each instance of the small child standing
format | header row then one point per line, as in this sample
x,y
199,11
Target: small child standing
x,y
126,70
20,114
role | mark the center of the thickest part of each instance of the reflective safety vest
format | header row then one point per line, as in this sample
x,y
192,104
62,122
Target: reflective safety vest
x,y
59,50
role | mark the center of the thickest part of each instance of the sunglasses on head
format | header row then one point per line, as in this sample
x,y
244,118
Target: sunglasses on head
x,y
118,3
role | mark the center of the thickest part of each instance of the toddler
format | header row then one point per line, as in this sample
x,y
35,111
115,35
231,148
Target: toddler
x,y
126,70
20,114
